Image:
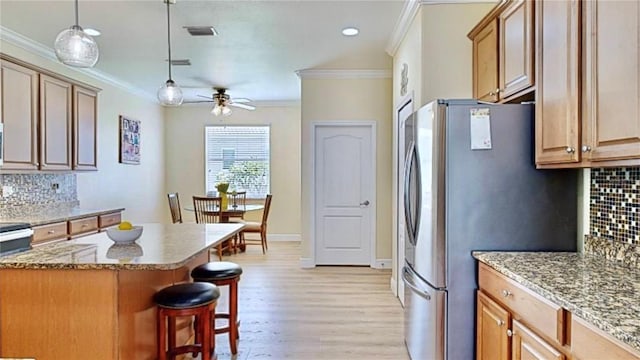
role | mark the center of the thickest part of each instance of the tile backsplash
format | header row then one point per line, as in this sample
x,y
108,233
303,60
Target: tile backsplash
x,y
40,190
615,204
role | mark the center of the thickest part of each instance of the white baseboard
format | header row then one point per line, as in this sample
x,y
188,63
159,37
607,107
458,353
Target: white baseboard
x,y
382,264
394,286
284,237
307,263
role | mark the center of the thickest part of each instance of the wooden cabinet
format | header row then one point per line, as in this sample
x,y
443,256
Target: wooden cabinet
x,y
611,80
557,85
19,114
588,343
50,122
516,48
587,103
485,63
515,323
83,226
55,124
49,232
108,220
526,345
493,341
85,107
503,66
504,307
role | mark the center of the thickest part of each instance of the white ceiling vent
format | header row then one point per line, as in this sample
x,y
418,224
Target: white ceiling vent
x,y
201,30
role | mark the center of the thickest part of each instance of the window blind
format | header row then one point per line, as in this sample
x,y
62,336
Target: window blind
x,y
238,155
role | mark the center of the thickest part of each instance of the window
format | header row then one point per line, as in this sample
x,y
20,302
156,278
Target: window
x,y
238,155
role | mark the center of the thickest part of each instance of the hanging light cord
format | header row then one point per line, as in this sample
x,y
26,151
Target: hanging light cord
x,y
168,37
77,22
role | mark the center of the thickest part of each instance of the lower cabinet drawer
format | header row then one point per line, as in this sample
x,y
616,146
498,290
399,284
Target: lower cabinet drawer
x,y
541,314
588,342
107,220
83,225
49,232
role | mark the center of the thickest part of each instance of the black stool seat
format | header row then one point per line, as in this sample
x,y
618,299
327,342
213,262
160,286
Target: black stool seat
x,y
219,270
188,295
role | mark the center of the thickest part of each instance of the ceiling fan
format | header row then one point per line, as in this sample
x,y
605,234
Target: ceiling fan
x,y
222,102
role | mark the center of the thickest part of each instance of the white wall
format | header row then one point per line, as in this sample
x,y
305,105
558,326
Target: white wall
x,y
185,158
360,99
138,188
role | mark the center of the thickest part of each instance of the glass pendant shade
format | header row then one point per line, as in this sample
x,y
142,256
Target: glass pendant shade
x,y
221,110
170,94
75,48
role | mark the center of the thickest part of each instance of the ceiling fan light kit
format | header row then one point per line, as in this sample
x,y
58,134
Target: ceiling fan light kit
x,y
74,47
170,93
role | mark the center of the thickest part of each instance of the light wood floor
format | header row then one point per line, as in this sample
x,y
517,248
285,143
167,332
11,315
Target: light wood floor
x,y
337,313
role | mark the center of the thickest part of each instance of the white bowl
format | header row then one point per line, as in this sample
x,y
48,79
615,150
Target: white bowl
x,y
124,236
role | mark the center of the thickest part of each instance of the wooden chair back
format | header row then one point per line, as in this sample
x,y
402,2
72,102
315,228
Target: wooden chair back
x,y
265,212
174,207
207,209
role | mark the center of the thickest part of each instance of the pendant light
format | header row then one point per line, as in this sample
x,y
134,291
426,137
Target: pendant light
x,y
75,48
170,93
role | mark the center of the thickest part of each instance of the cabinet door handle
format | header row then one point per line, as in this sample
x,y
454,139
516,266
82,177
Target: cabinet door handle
x,y
491,93
510,333
570,150
586,148
51,232
506,293
500,322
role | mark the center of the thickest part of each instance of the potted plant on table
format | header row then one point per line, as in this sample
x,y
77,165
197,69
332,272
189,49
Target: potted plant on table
x,y
222,188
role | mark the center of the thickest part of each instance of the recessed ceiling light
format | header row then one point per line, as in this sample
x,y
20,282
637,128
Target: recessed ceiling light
x,y
350,31
91,32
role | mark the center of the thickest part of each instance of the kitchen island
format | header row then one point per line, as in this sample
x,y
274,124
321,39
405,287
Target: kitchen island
x,y
91,299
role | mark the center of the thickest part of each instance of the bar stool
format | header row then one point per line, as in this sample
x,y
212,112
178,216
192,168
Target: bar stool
x,y
223,273
189,299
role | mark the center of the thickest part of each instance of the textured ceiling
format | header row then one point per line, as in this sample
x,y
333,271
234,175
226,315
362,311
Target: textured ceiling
x,y
260,46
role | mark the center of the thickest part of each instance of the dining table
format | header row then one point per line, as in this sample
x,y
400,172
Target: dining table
x,y
231,211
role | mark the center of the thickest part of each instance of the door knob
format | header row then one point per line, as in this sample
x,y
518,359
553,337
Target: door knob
x,y
365,203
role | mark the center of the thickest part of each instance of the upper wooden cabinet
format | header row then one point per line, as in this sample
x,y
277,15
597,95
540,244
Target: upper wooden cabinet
x,y
587,105
55,124
19,114
85,107
50,122
611,100
503,64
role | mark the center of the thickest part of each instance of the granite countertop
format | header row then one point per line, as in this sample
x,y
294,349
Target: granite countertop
x,y
52,215
161,247
602,292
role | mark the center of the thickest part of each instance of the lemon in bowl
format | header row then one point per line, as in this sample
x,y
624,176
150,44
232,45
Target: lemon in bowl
x,y
125,233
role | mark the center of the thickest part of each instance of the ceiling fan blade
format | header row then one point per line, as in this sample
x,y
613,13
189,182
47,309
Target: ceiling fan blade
x,y
240,100
243,106
197,101
206,97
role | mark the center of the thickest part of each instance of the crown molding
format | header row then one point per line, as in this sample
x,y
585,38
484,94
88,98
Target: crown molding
x,y
48,53
409,12
342,74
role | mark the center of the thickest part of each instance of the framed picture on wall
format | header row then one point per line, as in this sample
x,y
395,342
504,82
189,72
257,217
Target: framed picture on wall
x,y
129,141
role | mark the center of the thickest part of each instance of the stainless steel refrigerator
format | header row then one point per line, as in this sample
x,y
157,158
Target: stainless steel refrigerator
x,y
470,183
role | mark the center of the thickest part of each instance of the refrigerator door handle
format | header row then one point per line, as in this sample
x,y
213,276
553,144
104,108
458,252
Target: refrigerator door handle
x,y
407,193
412,224
407,278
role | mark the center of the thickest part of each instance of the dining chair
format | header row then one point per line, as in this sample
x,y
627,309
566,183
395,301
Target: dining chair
x,y
207,210
174,207
257,227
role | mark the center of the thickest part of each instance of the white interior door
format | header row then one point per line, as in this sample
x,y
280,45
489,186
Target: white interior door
x,y
403,113
344,194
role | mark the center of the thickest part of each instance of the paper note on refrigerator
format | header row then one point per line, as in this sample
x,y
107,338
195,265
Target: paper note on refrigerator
x,y
480,122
